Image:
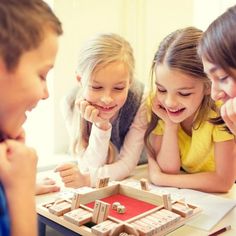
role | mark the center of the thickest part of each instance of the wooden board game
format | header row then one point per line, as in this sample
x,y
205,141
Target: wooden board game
x,y
119,210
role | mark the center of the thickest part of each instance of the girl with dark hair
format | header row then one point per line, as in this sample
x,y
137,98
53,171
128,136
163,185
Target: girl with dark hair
x,y
218,51
185,149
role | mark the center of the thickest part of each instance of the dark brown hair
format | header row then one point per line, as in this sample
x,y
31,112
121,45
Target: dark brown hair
x,y
218,43
218,46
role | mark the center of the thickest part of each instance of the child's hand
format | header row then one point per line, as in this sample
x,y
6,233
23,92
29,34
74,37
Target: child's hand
x,y
91,114
71,175
228,114
160,111
17,167
46,185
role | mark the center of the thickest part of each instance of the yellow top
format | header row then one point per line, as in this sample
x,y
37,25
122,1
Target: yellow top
x,y
197,151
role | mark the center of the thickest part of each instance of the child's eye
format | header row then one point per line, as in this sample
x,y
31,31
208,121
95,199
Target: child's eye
x,y
161,90
96,87
119,88
185,94
223,78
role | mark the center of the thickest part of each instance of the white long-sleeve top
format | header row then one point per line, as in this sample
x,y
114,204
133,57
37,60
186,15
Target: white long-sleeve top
x,y
94,157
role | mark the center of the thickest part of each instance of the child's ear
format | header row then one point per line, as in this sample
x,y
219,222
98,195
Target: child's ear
x,y
78,77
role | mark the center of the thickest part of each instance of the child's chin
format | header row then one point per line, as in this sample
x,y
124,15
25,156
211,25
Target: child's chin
x,y
106,116
177,121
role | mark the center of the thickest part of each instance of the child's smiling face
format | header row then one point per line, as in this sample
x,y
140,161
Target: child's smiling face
x,y
108,89
178,93
223,86
22,88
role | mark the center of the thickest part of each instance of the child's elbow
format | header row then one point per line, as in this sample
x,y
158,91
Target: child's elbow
x,y
225,186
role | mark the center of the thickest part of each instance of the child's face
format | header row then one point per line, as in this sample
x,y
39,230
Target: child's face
x,y
179,94
108,88
223,85
22,88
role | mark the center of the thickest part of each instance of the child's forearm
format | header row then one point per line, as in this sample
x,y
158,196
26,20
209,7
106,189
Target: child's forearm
x,y
168,157
96,152
204,181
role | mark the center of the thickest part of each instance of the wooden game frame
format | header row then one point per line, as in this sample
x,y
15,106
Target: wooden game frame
x,y
134,226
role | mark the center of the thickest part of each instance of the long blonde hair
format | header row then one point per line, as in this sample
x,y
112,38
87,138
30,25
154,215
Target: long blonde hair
x,y
98,52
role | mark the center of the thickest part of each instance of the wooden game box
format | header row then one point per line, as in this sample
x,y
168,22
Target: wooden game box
x,y
94,213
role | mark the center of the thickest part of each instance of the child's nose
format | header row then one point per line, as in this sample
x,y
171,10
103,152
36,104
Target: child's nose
x,y
170,101
106,99
216,93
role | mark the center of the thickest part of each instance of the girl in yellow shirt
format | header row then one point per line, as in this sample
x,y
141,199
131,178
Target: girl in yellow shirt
x,y
185,148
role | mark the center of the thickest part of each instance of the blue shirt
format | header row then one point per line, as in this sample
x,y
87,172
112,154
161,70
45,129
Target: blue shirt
x,y
4,214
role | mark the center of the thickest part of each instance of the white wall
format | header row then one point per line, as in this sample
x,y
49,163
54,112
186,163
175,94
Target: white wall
x,y
205,11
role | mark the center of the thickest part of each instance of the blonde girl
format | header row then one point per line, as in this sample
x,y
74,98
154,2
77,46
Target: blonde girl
x,y
104,114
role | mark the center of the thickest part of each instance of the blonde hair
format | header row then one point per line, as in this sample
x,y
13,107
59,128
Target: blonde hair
x,y
97,53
